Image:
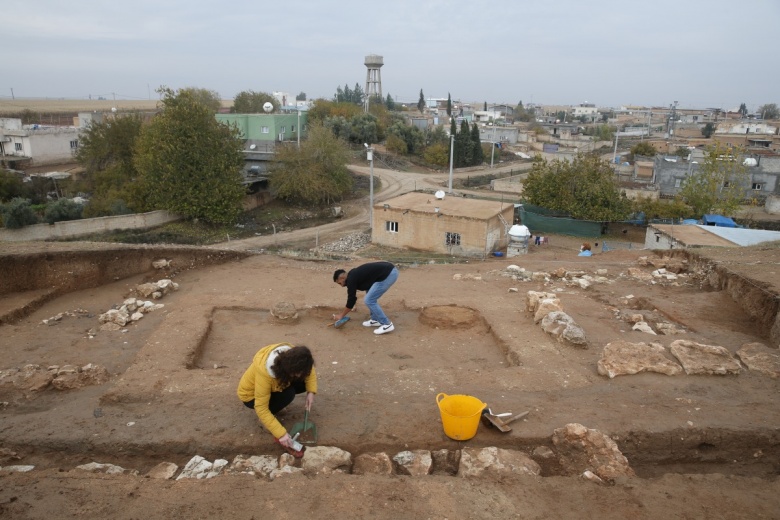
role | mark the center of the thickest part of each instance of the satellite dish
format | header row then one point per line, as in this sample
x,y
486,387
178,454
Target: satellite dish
x,y
268,106
439,194
252,146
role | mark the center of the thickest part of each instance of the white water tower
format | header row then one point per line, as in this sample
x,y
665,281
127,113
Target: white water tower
x,y
518,240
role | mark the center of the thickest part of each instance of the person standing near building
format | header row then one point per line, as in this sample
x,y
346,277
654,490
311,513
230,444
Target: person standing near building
x,y
375,278
278,372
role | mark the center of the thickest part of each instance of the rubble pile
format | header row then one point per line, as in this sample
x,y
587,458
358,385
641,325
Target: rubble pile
x,y
348,244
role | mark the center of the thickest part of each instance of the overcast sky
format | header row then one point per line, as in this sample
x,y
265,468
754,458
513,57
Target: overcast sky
x,y
701,53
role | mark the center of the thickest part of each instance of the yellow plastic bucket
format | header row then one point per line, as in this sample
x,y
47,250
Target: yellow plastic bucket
x,y
460,415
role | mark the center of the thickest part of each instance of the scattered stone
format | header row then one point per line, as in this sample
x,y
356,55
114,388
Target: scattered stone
x,y
668,329
601,272
697,358
17,468
533,298
589,475
642,326
285,470
285,312
260,465
563,328
161,264
545,307
348,244
31,378
624,358
475,462
543,452
326,459
759,357
515,268
512,289
70,377
540,276
639,274
581,449
373,464
200,468
636,318
163,471
414,463
108,469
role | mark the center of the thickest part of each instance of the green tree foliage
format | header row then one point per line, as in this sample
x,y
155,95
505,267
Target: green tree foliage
x,y
301,96
314,174
743,111
484,107
354,96
250,102
364,129
585,188
210,98
437,154
769,111
421,102
62,210
30,117
718,184
189,163
643,149
411,135
11,186
436,135
324,108
476,144
106,151
661,208
708,130
396,144
449,104
18,213
521,114
389,102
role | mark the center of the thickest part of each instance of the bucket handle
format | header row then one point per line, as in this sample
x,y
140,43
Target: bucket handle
x,y
440,396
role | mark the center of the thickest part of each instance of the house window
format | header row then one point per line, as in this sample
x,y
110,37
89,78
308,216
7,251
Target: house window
x,y
452,239
757,186
677,183
292,128
284,129
74,144
264,129
18,147
392,227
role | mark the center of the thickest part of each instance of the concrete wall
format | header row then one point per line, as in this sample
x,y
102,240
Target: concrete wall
x,y
655,239
73,228
427,232
773,205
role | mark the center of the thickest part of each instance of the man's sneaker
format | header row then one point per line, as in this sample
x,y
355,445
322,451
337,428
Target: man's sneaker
x,y
371,323
384,329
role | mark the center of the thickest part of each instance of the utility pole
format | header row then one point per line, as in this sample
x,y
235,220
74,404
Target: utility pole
x,y
12,94
452,150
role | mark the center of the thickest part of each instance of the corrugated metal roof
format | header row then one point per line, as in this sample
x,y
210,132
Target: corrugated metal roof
x,y
744,237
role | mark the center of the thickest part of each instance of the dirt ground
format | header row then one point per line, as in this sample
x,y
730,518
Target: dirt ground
x,y
702,446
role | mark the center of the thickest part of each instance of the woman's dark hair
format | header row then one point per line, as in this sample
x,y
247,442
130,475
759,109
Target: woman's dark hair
x,y
292,363
338,273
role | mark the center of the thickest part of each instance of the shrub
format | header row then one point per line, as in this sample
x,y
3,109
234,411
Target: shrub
x,y
63,209
18,213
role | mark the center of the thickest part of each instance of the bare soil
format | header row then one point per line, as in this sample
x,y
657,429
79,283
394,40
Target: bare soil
x,y
702,446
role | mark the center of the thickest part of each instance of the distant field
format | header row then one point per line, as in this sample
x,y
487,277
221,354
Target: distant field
x,y
15,106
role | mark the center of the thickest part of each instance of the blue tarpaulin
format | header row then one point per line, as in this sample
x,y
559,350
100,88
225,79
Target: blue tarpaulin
x,y
718,220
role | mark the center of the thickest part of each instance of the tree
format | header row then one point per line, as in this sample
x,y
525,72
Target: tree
x,y
210,98
484,107
743,111
708,130
718,185
315,173
18,213
364,129
769,111
449,104
464,148
301,96
478,156
421,102
585,188
250,102
189,163
437,154
643,149
389,103
411,135
11,186
106,152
